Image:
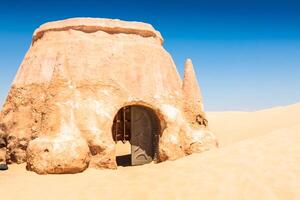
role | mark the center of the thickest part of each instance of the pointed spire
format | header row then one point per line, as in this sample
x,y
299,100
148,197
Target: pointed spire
x,y
193,104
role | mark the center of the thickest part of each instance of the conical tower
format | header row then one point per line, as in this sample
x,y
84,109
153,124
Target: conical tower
x,y
193,104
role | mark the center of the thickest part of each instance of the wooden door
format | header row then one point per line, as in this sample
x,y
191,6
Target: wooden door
x,y
141,136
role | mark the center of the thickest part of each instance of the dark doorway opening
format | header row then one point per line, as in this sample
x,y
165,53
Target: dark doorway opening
x,y
138,128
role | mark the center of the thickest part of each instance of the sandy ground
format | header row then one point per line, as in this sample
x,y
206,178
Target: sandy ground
x,y
259,158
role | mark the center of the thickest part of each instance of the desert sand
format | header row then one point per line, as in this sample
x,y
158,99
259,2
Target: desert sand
x,y
258,158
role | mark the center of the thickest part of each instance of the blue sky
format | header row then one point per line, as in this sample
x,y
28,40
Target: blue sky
x,y
246,53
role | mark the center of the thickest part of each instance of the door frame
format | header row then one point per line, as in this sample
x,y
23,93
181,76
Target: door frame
x,y
158,126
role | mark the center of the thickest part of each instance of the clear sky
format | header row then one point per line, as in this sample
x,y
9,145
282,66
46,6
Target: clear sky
x,y
246,53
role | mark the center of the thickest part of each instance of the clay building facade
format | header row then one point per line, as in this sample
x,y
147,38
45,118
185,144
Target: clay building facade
x,y
87,83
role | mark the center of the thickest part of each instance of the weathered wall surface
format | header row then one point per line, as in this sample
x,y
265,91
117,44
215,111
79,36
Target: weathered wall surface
x,y
75,77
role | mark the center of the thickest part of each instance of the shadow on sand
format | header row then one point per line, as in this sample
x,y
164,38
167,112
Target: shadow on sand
x,y
124,160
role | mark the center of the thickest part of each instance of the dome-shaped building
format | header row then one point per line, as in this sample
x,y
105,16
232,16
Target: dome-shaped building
x,y
87,83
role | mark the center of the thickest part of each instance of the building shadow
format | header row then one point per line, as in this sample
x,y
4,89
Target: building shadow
x,y
124,160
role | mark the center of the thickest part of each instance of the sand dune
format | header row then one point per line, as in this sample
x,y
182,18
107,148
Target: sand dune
x,y
231,127
259,158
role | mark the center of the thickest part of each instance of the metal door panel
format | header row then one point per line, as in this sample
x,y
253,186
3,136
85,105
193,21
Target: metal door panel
x,y
141,136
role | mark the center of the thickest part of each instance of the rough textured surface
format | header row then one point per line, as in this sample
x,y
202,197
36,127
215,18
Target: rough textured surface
x,y
2,150
2,156
58,155
73,80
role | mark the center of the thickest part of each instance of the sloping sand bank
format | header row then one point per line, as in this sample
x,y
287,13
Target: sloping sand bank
x,y
231,127
259,158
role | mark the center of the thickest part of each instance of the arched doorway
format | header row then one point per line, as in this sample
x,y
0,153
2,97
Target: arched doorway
x,y
138,125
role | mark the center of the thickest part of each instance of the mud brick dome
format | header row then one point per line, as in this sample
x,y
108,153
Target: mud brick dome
x,y
86,83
